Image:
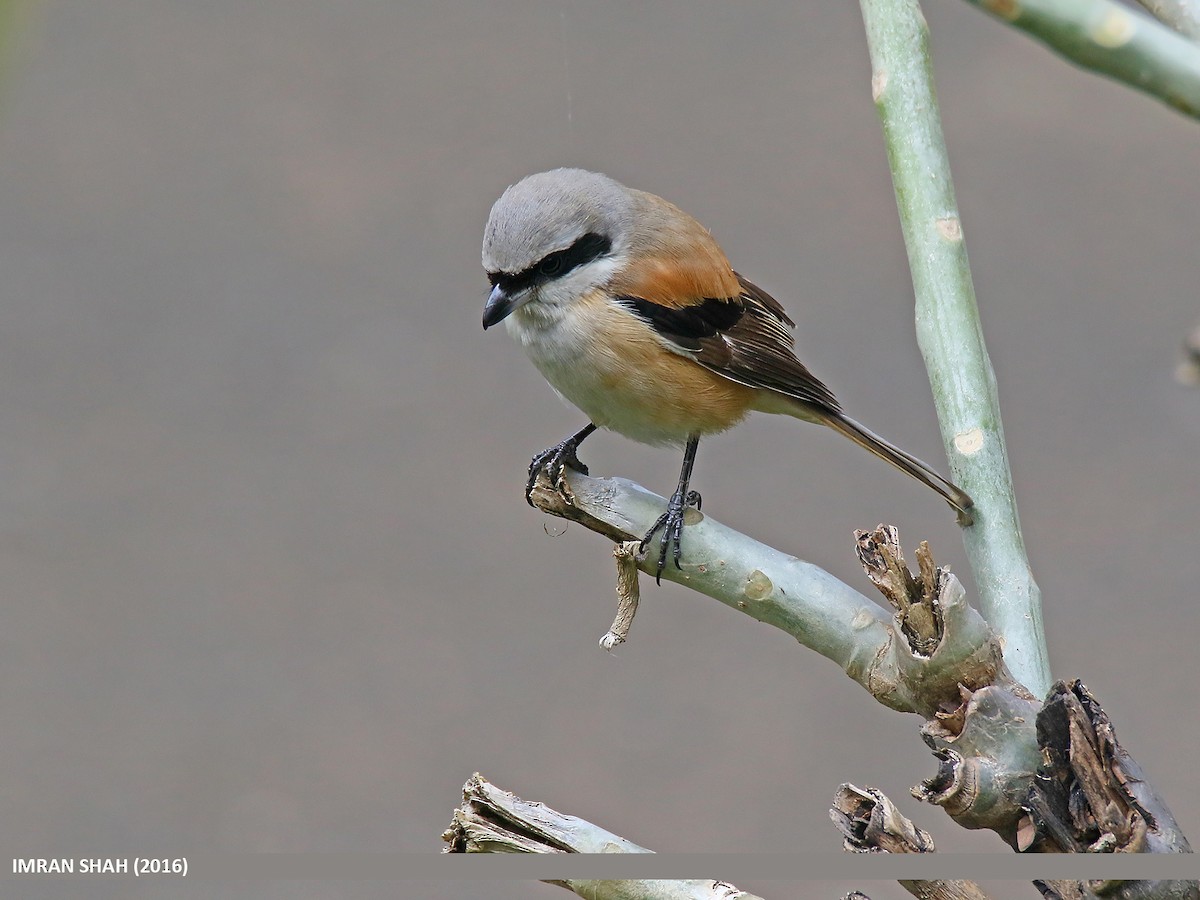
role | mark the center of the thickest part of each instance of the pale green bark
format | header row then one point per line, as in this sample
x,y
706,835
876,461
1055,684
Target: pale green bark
x,y
1182,15
949,334
802,599
1115,41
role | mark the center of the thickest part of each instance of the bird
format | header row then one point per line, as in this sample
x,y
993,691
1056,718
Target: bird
x,y
632,312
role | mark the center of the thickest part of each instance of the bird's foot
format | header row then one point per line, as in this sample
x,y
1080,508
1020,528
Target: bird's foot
x,y
671,525
554,462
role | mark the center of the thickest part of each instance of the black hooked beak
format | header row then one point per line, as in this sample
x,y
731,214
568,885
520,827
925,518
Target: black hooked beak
x,y
498,307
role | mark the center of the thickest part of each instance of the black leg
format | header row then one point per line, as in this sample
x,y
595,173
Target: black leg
x,y
671,522
560,456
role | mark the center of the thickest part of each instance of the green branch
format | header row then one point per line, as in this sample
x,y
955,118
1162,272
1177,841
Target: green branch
x,y
1182,15
1112,40
948,330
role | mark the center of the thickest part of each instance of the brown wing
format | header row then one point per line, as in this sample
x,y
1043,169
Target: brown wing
x,y
746,338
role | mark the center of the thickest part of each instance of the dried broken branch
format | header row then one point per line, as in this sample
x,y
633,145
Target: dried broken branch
x,y
1090,796
871,823
628,594
491,820
982,731
944,890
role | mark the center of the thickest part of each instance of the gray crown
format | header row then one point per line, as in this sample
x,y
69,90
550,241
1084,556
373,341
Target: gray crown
x,y
549,211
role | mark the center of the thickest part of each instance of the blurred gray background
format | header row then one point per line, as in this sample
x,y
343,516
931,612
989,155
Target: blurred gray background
x,y
269,582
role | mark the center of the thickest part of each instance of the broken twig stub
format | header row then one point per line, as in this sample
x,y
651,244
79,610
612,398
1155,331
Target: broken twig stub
x,y
626,554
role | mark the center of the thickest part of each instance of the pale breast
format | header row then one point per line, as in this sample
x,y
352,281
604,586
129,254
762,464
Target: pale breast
x,y
600,357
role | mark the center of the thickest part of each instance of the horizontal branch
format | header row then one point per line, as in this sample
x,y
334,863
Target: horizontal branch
x,y
934,656
1112,40
817,609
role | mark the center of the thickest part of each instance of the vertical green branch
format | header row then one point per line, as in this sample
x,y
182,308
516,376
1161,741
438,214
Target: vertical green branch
x,y
948,331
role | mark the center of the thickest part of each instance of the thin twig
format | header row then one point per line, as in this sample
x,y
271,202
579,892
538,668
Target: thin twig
x,y
628,593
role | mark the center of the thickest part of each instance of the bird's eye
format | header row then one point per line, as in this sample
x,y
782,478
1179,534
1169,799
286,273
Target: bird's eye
x,y
551,265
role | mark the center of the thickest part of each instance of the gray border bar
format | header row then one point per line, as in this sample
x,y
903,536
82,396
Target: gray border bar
x,y
731,867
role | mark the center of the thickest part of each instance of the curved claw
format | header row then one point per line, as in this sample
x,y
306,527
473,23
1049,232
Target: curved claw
x,y
671,523
554,461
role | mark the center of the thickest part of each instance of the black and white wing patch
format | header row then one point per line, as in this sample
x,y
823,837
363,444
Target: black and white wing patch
x,y
747,339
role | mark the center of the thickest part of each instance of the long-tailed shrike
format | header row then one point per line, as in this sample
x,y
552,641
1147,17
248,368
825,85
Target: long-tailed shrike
x,y
631,311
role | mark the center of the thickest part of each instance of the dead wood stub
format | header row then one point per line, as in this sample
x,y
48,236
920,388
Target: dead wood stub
x,y
914,597
1090,796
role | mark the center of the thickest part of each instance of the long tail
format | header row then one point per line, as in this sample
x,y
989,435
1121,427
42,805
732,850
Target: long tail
x,y
953,494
